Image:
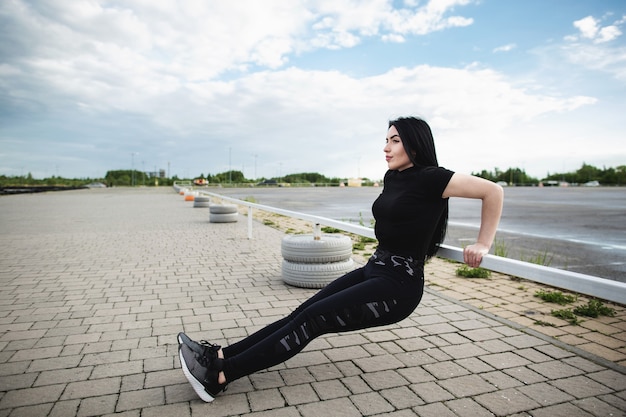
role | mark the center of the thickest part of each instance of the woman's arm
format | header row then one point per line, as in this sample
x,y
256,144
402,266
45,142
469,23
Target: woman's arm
x,y
492,195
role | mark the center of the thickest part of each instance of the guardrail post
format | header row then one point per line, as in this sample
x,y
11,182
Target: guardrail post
x,y
249,222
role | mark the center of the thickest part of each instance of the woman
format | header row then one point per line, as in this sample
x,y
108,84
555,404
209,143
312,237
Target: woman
x,y
411,217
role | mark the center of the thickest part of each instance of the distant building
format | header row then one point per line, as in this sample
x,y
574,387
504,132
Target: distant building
x,y
355,182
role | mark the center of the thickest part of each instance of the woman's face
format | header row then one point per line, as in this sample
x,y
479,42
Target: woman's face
x,y
396,156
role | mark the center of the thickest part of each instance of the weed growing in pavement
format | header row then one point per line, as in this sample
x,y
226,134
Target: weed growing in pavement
x,y
358,246
567,315
543,323
594,308
364,243
468,272
556,297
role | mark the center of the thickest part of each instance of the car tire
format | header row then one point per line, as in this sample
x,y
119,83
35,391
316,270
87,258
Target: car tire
x,y
223,209
202,201
305,249
223,217
308,275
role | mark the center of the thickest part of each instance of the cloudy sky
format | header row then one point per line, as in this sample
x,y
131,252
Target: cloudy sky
x,y
275,87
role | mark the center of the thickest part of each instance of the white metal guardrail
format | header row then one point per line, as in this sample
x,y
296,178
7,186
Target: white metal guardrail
x,y
601,288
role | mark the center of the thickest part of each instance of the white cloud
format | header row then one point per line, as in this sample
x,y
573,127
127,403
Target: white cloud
x,y
111,55
505,48
590,28
185,82
608,33
587,26
201,40
430,18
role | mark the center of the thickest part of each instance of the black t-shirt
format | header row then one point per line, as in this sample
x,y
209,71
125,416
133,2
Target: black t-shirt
x,y
409,208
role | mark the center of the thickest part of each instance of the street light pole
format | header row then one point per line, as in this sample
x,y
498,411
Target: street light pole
x,y
132,169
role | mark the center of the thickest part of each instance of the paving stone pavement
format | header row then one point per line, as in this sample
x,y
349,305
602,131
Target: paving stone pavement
x,y
97,283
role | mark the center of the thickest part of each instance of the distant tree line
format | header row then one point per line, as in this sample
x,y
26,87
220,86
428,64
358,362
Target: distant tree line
x,y
125,178
237,177
514,176
587,173
29,181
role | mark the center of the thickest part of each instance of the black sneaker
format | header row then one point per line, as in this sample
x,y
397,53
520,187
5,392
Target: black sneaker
x,y
202,347
202,373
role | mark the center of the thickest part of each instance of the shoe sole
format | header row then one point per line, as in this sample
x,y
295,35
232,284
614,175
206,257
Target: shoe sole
x,y
195,384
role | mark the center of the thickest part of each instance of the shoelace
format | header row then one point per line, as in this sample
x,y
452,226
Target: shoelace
x,y
210,349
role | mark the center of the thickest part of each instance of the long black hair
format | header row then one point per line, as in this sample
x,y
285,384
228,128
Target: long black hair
x,y
418,142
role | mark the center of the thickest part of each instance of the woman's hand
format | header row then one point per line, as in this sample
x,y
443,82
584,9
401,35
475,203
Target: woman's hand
x,y
473,254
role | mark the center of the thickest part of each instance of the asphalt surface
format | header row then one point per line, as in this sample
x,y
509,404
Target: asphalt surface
x,y
581,229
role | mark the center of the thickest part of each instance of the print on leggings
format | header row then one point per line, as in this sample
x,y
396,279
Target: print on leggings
x,y
346,319
396,261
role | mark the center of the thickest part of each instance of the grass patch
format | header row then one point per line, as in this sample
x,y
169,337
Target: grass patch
x,y
468,272
594,308
328,229
542,258
358,246
567,315
362,242
543,323
556,297
500,249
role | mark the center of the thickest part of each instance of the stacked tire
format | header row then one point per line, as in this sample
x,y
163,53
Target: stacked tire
x,y
311,263
223,213
202,201
190,195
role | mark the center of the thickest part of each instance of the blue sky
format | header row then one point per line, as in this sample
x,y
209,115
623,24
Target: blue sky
x,y
274,87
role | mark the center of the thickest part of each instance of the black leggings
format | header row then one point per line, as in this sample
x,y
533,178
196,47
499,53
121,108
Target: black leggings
x,y
382,292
